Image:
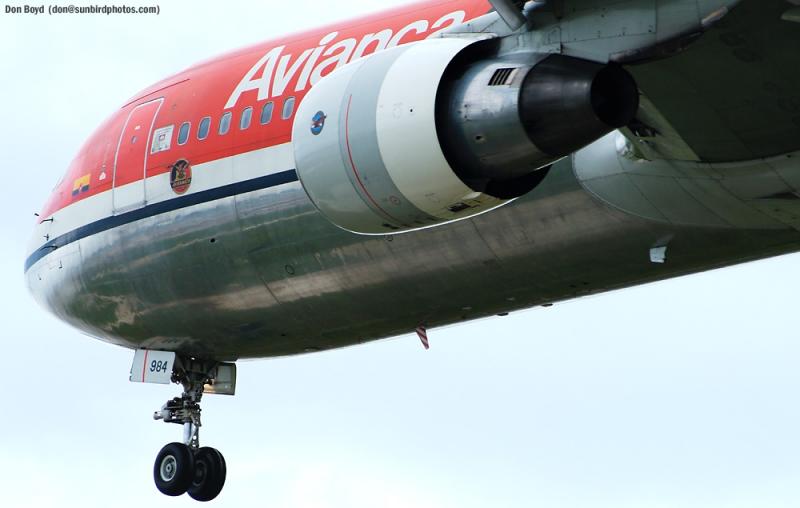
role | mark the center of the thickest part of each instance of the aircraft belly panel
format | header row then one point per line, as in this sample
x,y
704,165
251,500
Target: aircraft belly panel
x,y
264,274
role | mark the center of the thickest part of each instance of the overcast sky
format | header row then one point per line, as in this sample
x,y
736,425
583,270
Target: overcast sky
x,y
682,393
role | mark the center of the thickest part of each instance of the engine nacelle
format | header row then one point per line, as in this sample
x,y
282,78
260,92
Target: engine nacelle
x,y
366,147
440,130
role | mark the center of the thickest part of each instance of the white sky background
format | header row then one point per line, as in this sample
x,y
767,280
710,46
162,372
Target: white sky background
x,y
683,393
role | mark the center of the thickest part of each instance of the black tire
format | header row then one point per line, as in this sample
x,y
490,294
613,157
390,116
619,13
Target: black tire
x,y
209,474
174,469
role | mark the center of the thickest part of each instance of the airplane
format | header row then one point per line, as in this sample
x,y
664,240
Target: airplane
x,y
435,163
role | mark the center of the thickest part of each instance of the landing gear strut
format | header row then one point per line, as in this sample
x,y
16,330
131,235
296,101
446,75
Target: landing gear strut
x,y
186,467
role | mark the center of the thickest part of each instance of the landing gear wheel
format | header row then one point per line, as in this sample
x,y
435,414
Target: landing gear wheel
x,y
174,469
209,474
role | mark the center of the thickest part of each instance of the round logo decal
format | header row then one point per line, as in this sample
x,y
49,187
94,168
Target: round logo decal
x,y
318,123
181,176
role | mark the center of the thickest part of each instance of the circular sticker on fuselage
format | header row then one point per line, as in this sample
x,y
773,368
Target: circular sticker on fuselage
x,y
318,123
180,176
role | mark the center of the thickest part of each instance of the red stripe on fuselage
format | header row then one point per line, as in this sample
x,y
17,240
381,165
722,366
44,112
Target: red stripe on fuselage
x,y
144,365
205,89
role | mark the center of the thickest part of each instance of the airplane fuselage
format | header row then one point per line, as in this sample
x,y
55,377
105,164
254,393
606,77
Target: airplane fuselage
x,y
181,225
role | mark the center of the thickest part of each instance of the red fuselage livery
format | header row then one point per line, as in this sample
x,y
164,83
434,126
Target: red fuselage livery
x,y
274,75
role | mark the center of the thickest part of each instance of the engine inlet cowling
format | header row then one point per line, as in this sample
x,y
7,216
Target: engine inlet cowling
x,y
366,148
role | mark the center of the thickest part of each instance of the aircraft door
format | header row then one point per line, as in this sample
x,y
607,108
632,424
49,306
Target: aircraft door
x,y
131,158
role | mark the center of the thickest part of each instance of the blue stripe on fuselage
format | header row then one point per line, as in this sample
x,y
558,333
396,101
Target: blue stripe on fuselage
x,y
177,203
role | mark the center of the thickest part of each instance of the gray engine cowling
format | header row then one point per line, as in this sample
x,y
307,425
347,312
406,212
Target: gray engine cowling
x,y
440,130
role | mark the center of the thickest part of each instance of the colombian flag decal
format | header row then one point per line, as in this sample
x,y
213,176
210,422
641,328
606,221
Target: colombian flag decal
x,y
81,185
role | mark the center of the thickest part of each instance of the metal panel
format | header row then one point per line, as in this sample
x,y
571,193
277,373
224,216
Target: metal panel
x,y
280,279
130,162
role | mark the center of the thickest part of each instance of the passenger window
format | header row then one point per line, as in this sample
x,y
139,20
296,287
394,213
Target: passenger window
x,y
183,133
266,113
205,125
288,108
225,123
247,117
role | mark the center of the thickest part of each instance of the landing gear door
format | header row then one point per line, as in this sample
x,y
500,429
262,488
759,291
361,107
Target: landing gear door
x,y
131,157
224,382
152,366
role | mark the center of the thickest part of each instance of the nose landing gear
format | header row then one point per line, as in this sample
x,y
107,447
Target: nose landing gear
x,y
186,467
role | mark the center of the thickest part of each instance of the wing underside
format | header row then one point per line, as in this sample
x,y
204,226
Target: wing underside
x,y
733,95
